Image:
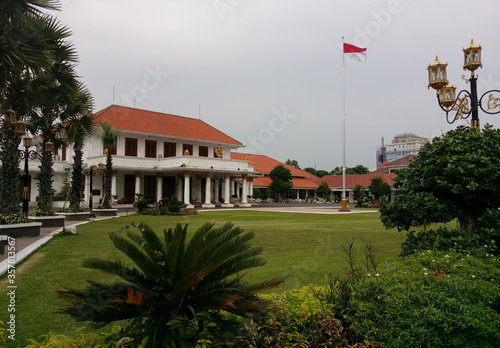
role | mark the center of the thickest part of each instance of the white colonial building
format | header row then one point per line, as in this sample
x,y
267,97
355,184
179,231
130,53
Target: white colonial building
x,y
160,155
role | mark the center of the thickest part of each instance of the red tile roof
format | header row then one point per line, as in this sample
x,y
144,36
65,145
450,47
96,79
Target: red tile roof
x,y
364,180
387,166
265,164
137,120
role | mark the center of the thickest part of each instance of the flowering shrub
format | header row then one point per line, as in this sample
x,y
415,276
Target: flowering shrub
x,y
41,212
12,219
301,319
431,300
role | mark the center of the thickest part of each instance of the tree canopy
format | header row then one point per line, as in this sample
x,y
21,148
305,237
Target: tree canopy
x,y
282,182
455,176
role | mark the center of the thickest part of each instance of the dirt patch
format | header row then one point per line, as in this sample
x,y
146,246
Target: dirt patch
x,y
25,264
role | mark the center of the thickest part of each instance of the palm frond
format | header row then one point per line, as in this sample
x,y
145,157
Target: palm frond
x,y
120,269
136,254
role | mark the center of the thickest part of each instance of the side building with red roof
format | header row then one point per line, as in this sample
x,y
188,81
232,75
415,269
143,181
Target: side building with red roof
x,y
303,182
160,155
335,183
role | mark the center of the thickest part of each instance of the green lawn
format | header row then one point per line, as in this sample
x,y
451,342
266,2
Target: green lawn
x,y
305,246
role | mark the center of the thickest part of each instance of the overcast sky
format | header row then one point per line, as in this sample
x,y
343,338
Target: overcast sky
x,y
269,72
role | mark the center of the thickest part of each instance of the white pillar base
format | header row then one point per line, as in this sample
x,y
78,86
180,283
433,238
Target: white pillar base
x,y
227,205
244,205
208,205
189,206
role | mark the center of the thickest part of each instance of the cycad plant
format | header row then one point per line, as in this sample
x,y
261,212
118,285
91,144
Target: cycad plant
x,y
173,276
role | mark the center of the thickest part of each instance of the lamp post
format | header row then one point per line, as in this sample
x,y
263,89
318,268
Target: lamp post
x,y
466,103
30,154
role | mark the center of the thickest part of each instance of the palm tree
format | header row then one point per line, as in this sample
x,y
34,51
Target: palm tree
x,y
172,276
108,137
27,58
54,93
77,130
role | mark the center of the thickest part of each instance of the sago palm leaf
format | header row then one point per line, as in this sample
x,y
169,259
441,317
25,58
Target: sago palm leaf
x,y
137,254
121,270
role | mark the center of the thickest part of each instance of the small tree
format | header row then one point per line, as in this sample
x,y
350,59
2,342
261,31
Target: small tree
x,y
358,192
379,188
292,163
282,182
455,176
108,137
324,190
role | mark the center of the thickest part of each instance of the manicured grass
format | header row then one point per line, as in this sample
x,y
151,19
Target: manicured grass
x,y
308,247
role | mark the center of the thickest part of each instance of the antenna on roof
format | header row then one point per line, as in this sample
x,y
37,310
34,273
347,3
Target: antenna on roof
x,y
113,94
199,110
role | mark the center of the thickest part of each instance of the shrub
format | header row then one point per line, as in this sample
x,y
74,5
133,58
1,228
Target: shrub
x,y
41,212
452,240
171,276
301,319
12,219
174,205
431,300
141,205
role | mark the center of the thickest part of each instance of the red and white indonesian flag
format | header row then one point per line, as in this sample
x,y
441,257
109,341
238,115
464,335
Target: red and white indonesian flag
x,y
354,54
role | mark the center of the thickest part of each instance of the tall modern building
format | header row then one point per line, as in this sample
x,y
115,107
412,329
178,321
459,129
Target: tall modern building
x,y
402,145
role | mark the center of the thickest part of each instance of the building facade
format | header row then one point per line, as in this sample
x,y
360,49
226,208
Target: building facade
x,y
158,156
401,146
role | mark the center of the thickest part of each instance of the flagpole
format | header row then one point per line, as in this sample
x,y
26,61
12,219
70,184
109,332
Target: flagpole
x,y
344,198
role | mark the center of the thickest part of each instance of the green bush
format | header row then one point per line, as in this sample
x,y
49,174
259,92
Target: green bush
x,y
12,219
449,240
141,205
174,205
301,319
431,300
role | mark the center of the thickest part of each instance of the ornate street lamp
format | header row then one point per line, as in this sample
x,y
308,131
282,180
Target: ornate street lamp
x,y
466,103
30,154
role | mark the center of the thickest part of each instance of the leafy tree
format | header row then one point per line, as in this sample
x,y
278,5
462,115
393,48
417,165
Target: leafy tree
x,y
108,137
379,188
292,163
321,173
359,169
324,190
310,170
172,276
455,176
358,192
281,182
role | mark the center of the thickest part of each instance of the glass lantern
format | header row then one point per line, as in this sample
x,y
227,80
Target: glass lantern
x,y
437,75
472,57
447,96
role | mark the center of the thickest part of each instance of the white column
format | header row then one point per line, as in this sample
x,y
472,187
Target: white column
x,y
179,186
232,187
244,191
138,182
216,190
198,188
187,191
159,186
227,184
87,190
113,186
250,187
208,191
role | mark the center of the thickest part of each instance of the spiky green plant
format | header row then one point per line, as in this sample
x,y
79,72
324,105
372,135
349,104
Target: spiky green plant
x,y
173,276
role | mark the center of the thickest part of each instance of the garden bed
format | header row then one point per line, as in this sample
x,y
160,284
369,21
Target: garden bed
x,y
105,212
49,221
29,229
81,216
